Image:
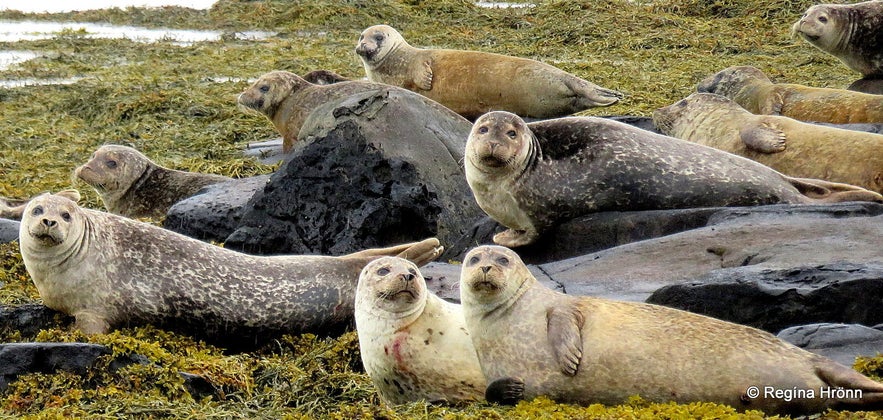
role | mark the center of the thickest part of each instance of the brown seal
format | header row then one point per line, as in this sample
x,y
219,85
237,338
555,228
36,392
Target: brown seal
x,y
472,82
132,185
11,208
109,271
789,146
851,32
287,99
534,341
755,92
414,345
324,77
530,177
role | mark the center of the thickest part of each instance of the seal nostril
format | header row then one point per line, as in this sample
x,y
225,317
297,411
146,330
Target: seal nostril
x,y
485,269
49,223
408,277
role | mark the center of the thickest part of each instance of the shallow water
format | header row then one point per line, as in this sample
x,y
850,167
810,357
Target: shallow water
x,y
8,58
28,30
503,5
62,6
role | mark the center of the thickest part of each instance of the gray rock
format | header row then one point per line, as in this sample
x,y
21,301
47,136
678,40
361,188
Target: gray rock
x,y
20,358
370,170
29,319
841,342
870,84
215,212
8,231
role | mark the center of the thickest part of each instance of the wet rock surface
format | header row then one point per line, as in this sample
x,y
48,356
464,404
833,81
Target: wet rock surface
x,y
8,230
870,84
841,342
29,319
20,358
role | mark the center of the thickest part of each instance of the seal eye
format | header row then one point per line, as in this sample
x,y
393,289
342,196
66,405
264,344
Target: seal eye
x,y
503,261
37,211
682,103
473,260
66,216
111,164
511,134
482,130
378,37
412,271
264,88
823,19
382,271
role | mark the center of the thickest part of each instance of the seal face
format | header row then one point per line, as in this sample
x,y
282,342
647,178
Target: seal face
x,y
12,209
787,145
754,91
534,341
471,82
530,177
414,345
109,271
132,185
850,32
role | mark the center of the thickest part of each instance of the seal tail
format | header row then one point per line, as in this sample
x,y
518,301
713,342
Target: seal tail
x,y
420,253
850,390
819,191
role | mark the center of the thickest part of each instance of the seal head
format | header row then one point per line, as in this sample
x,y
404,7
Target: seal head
x,y
850,32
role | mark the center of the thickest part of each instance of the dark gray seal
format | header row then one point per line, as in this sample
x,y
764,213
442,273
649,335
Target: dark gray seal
x,y
109,272
132,185
530,177
851,32
534,341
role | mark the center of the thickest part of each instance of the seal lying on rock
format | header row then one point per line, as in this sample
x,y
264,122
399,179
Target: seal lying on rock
x,y
851,32
109,271
12,208
472,82
530,177
792,147
287,99
534,341
414,345
754,91
132,185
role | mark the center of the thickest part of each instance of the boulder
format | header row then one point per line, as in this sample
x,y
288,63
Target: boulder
x,y
21,358
215,212
370,170
840,342
8,231
29,319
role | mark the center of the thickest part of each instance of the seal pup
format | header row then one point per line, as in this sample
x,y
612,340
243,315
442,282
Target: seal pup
x,y
530,177
132,185
287,99
851,32
12,209
109,271
471,82
789,146
414,345
754,91
534,341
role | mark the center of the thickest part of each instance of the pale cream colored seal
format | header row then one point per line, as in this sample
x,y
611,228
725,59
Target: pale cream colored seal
x,y
754,91
132,185
414,345
12,209
789,146
534,341
109,271
471,82
850,32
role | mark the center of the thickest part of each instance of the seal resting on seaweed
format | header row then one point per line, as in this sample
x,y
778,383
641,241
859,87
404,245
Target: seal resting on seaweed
x,y
851,32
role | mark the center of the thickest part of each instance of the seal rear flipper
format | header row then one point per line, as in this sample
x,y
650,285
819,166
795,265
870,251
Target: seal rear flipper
x,y
564,325
419,253
832,192
859,391
505,391
590,95
763,138
511,238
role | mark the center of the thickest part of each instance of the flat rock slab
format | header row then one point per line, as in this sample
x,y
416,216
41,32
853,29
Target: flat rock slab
x,y
8,230
20,358
29,319
840,342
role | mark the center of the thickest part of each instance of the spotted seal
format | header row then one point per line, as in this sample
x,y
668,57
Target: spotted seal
x,y
109,271
471,82
414,345
529,177
851,32
534,341
132,185
753,90
789,146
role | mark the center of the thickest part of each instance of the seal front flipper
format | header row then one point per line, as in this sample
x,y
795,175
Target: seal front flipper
x,y
505,391
564,327
91,323
423,76
763,138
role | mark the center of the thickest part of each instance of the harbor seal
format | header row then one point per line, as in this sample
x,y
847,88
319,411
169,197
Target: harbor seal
x,y
287,99
534,341
850,32
471,82
754,91
530,177
324,77
414,345
132,185
109,271
789,146
12,209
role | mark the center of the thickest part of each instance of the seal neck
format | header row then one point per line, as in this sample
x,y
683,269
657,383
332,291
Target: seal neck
x,y
503,308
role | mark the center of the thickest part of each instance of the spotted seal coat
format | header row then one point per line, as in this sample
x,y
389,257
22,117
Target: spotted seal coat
x,y
414,345
472,82
132,185
851,32
109,272
789,146
530,177
753,90
534,341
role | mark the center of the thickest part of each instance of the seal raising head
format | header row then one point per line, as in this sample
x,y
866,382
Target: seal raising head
x,y
472,82
414,345
534,341
851,32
